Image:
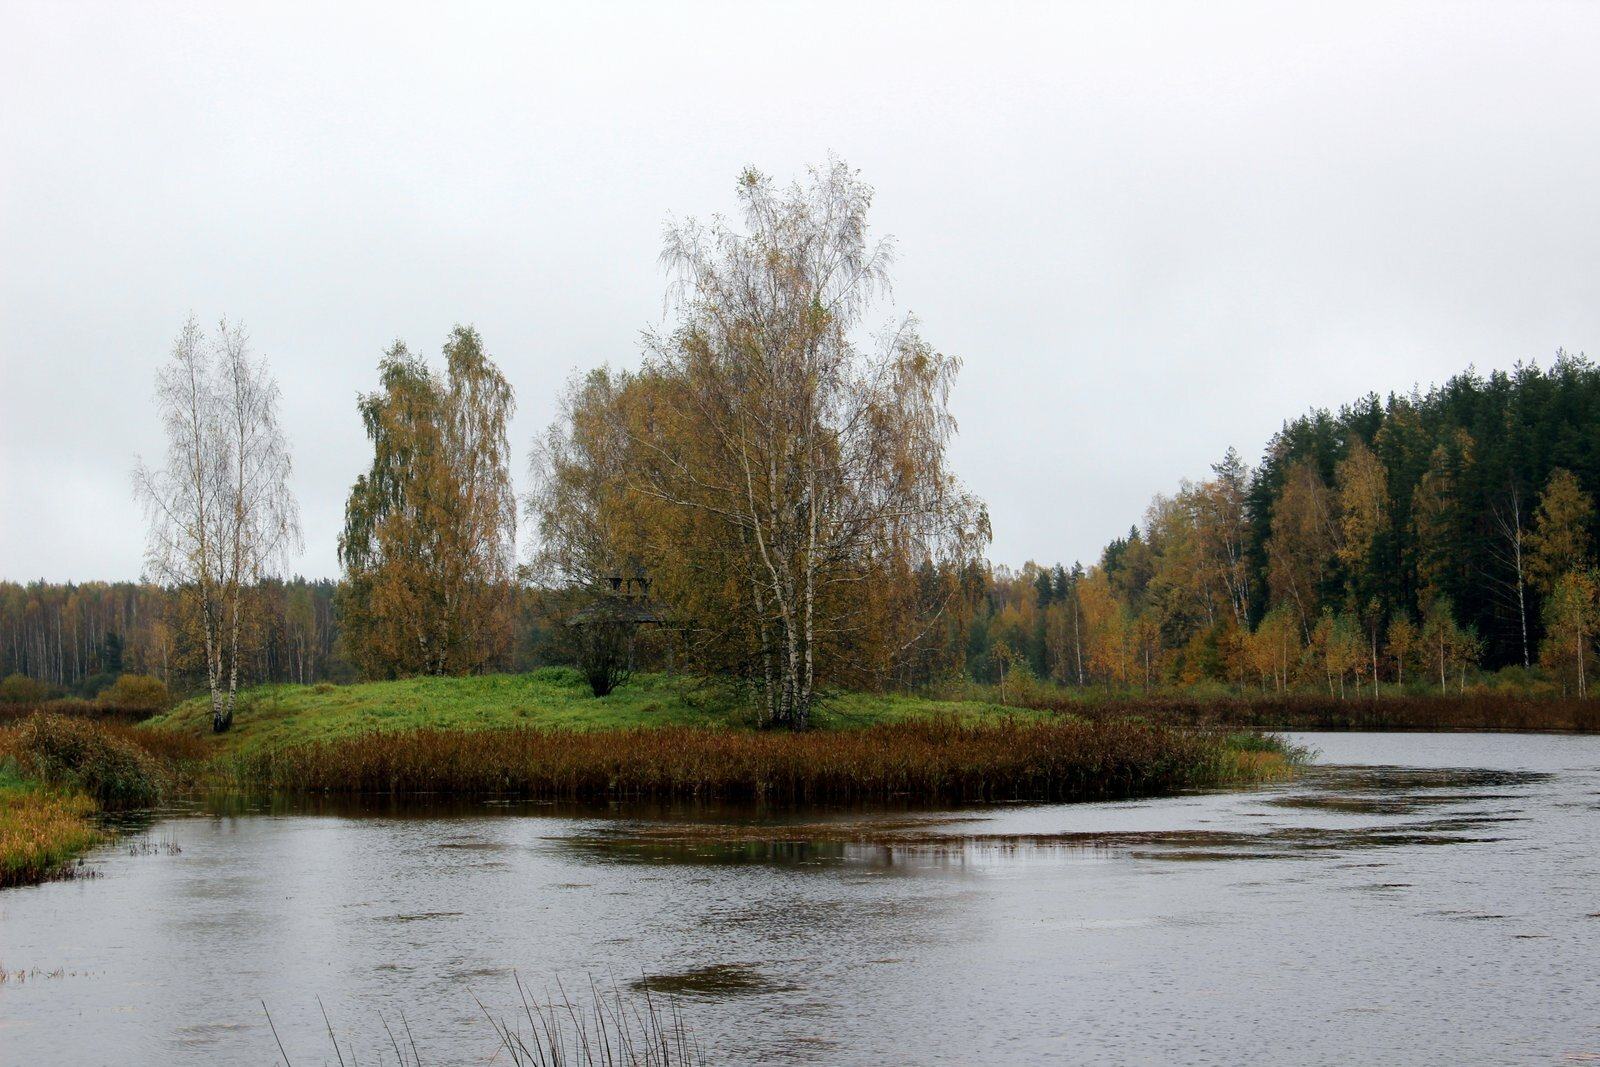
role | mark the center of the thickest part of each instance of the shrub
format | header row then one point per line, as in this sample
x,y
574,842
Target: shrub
x,y
94,685
137,692
84,756
20,689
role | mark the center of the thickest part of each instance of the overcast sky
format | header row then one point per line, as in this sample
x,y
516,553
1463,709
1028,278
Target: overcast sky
x,y
1150,231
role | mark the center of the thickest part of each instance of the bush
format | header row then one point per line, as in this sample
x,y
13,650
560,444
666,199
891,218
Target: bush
x,y
137,692
84,756
94,685
1519,681
20,689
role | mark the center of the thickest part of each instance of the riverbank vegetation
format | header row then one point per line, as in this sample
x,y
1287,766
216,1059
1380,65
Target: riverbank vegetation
x,y
1489,711
57,772
41,829
925,761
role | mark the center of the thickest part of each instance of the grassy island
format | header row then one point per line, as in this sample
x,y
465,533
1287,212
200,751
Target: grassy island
x,y
543,735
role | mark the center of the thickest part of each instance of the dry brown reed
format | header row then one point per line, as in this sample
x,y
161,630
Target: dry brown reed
x,y
168,745
40,833
92,710
1472,711
86,756
933,760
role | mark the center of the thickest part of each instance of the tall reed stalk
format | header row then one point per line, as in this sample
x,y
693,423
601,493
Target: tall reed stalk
x,y
609,1029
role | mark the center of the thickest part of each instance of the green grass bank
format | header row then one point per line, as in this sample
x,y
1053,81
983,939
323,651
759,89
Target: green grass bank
x,y
551,698
661,736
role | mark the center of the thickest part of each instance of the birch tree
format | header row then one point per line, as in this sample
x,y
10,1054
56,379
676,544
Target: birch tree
x,y
1224,526
794,478
1304,542
221,513
1404,641
1559,542
1446,646
1509,549
429,537
1572,618
823,460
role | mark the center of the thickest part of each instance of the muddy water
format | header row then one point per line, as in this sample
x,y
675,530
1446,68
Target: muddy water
x,y
1416,899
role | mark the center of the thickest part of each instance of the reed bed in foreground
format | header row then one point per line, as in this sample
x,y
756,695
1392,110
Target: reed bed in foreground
x,y
934,760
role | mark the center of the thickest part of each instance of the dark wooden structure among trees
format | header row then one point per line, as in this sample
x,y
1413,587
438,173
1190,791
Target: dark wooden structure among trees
x,y
606,628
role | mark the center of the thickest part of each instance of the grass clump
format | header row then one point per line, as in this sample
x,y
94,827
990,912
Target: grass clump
x,y
606,1029
91,758
41,832
136,693
610,1030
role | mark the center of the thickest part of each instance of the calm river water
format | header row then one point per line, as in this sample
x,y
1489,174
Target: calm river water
x,y
1415,899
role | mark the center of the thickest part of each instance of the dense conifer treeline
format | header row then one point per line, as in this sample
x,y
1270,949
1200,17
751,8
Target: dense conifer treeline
x,y
1420,536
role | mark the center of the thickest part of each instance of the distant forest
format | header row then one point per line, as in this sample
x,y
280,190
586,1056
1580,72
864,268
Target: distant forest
x,y
1422,539
77,639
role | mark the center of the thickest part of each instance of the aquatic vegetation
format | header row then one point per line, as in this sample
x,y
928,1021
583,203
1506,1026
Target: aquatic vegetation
x,y
56,772
607,1029
939,759
1471,711
41,832
54,769
81,755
